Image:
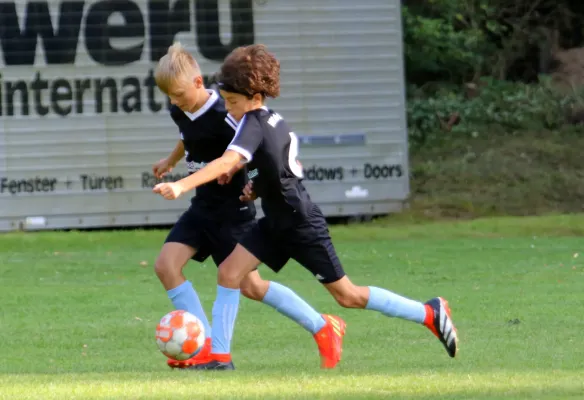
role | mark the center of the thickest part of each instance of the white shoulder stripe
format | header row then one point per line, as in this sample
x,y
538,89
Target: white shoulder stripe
x,y
244,152
231,124
230,117
239,126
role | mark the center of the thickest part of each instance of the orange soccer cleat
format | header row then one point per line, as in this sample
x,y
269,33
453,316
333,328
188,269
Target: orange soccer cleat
x,y
330,341
202,357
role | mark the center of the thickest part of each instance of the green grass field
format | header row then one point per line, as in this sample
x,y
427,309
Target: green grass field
x,y
79,311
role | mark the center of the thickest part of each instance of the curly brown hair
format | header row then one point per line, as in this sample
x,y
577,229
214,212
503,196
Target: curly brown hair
x,y
249,70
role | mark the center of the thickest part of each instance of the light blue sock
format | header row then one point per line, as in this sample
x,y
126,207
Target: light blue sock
x,y
394,305
224,314
285,301
184,297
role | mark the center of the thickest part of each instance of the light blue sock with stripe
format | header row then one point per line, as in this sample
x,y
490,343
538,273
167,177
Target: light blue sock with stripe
x,y
224,314
394,305
184,297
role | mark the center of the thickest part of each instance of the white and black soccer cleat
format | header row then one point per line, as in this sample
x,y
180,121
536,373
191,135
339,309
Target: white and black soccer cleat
x,y
439,321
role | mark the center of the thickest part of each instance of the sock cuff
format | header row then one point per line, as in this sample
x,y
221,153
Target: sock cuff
x,y
373,295
228,293
274,292
179,289
269,293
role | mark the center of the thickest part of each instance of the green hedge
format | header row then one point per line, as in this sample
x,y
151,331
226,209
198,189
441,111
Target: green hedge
x,y
496,107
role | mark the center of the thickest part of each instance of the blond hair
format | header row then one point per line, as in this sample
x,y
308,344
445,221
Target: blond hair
x,y
175,65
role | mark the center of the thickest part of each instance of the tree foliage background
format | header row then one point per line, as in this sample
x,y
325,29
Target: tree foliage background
x,y
475,64
491,131
458,40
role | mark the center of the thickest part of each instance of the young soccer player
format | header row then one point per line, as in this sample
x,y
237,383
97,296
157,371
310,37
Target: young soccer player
x,y
216,216
293,226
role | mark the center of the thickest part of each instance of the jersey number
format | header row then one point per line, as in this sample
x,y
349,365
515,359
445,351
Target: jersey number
x,y
293,163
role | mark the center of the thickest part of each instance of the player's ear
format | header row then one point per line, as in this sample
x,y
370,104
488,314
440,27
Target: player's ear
x,y
259,98
199,81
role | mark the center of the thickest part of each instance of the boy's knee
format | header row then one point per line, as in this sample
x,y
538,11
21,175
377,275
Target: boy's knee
x,y
162,266
228,276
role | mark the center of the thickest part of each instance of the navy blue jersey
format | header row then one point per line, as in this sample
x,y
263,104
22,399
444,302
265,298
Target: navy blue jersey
x,y
205,135
270,147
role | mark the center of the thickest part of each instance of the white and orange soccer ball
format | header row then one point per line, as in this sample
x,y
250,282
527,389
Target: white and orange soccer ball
x,y
180,335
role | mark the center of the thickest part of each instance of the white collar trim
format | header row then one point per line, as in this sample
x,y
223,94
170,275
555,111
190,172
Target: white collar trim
x,y
208,104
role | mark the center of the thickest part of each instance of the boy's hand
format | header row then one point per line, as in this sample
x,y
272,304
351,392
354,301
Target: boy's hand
x,y
169,190
162,168
248,193
226,178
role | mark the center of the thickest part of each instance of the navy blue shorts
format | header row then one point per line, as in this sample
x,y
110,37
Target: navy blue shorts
x,y
308,242
209,237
